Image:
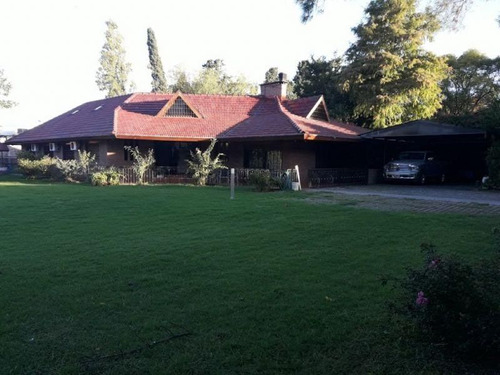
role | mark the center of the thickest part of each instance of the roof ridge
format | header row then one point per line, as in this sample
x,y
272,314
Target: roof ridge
x,y
205,95
288,115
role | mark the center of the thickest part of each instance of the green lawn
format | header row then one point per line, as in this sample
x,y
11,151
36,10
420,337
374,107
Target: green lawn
x,y
264,284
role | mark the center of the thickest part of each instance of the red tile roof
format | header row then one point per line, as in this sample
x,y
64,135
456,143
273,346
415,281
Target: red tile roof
x,y
83,121
302,106
225,117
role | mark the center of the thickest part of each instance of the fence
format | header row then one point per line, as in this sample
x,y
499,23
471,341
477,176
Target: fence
x,y
7,163
323,177
317,177
242,175
169,175
156,175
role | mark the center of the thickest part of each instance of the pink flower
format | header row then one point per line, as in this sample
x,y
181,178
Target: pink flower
x,y
433,264
421,300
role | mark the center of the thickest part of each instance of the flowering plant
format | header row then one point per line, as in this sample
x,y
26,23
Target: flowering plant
x,y
453,304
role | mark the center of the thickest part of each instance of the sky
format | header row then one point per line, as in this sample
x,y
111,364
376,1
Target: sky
x,y
49,50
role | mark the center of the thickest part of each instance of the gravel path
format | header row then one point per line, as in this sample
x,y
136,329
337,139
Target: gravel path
x,y
433,199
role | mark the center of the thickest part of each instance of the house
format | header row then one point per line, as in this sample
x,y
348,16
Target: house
x,y
266,131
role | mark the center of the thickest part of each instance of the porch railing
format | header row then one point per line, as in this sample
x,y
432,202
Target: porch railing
x,y
156,175
323,177
242,175
169,175
319,177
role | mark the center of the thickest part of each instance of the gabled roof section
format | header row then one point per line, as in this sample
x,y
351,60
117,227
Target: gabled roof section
x,y
319,111
422,128
313,129
179,106
311,107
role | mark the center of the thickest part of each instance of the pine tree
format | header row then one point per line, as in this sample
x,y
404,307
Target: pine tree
x,y
112,75
390,78
159,83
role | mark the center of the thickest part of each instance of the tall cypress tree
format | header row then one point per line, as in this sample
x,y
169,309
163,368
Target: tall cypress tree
x,y
159,83
112,75
390,78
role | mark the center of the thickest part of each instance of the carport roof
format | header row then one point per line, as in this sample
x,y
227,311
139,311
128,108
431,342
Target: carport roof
x,y
422,128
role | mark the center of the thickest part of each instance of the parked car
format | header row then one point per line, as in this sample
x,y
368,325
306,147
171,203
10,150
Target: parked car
x,y
416,166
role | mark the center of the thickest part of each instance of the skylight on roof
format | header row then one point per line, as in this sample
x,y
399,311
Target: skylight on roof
x,y
97,108
75,112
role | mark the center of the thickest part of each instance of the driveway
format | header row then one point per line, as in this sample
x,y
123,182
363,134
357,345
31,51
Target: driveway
x,y
430,198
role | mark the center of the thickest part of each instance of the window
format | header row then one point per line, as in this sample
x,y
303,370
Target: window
x,y
273,160
180,109
262,159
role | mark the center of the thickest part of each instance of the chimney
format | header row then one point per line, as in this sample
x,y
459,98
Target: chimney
x,y
272,89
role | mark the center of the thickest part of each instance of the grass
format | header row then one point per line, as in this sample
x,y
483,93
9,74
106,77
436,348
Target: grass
x,y
266,284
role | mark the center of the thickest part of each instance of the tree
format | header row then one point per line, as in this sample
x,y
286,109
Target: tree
x,y
271,75
390,78
472,85
323,77
212,79
181,81
159,83
112,75
5,87
202,164
141,162
449,12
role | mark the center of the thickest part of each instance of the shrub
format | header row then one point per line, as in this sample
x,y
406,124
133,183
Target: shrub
x,y
453,305
99,179
106,177
69,170
201,164
141,162
262,181
27,155
76,170
37,169
493,161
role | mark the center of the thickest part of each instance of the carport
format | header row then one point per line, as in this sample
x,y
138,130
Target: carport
x,y
464,149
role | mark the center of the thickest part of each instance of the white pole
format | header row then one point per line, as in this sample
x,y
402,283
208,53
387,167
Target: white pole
x,y
298,176
232,183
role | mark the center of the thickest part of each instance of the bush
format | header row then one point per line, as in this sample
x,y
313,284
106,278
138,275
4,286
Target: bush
x,y
141,163
493,161
69,170
201,164
454,305
262,181
37,169
106,177
27,155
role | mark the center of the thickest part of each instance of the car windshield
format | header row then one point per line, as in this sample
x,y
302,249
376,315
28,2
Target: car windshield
x,y
412,156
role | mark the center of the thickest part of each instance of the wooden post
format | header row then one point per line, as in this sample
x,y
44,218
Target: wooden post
x,y
232,183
